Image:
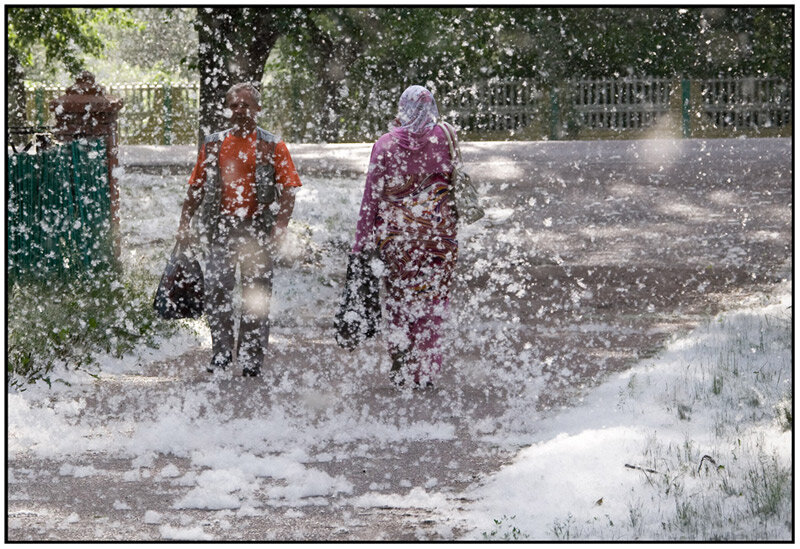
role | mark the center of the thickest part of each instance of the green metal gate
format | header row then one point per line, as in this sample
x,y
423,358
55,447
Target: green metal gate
x,y
59,212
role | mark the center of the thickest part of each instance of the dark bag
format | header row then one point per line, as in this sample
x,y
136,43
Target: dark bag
x,y
180,292
360,306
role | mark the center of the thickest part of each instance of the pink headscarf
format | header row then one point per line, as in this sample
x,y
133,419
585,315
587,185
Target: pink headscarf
x,y
416,117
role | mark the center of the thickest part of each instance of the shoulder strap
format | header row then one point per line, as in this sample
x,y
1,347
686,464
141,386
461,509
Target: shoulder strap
x,y
455,153
264,135
217,136
212,151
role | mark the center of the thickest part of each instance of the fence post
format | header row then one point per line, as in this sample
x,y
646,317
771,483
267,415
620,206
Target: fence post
x,y
167,113
86,111
686,101
39,102
555,115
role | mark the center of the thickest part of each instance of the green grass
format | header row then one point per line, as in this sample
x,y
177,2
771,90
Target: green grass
x,y
56,325
727,396
504,530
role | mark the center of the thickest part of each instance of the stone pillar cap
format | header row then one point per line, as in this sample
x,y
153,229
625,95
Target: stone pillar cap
x,y
85,94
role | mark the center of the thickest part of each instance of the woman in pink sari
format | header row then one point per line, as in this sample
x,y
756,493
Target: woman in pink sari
x,y
407,214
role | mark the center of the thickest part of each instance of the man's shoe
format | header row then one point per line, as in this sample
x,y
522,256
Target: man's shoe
x,y
396,373
220,362
396,377
251,372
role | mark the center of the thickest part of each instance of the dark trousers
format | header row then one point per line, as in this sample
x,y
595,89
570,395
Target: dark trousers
x,y
239,242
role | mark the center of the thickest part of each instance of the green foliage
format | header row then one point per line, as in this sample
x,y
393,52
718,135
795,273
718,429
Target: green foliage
x,y
565,530
771,47
717,384
439,44
559,43
161,46
784,411
504,530
337,75
57,325
342,69
770,486
171,47
66,34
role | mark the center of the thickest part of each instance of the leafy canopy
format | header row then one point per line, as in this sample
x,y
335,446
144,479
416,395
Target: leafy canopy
x,y
66,34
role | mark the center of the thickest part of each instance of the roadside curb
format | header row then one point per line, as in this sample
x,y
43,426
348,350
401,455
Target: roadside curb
x,y
349,160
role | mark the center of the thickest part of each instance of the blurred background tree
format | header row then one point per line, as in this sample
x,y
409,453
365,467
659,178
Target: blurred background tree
x,y
333,73
64,35
340,71
161,46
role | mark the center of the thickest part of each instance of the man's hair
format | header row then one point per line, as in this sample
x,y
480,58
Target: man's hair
x,y
248,87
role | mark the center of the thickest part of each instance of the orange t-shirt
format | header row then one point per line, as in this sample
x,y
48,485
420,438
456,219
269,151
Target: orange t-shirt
x,y
237,168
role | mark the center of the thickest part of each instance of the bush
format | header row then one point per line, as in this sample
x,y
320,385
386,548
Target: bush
x,y
60,324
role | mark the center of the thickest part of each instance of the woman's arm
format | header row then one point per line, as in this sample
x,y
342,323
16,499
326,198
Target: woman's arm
x,y
369,202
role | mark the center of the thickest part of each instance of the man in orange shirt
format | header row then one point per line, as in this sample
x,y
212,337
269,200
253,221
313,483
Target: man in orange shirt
x,y
243,187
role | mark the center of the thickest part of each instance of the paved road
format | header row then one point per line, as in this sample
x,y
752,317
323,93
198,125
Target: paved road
x,y
592,255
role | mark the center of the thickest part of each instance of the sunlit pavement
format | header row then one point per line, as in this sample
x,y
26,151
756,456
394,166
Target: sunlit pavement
x,y
592,255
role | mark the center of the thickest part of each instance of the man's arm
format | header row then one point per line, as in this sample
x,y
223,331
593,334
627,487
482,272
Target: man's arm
x,y
193,199
285,209
370,200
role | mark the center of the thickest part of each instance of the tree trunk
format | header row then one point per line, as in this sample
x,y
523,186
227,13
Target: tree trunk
x,y
324,48
332,59
234,44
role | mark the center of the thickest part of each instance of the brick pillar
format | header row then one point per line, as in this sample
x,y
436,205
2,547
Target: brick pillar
x,y
85,111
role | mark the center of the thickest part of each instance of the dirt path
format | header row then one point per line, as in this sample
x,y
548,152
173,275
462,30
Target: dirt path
x,y
592,256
